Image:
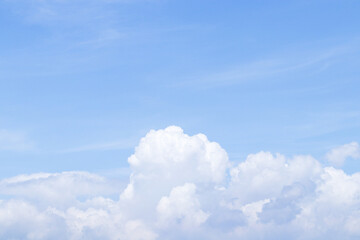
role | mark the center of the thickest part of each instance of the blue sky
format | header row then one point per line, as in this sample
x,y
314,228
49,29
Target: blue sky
x,y
273,86
95,76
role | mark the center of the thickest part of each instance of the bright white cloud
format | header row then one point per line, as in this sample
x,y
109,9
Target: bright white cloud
x,y
181,206
169,152
22,220
338,155
263,175
168,158
103,223
97,219
183,187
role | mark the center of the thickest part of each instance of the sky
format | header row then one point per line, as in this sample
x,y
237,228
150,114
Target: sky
x,y
98,95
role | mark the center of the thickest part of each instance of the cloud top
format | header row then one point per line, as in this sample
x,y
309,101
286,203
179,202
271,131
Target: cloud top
x,y
184,187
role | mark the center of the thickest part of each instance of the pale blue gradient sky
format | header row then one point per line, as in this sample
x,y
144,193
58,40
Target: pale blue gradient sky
x,y
82,81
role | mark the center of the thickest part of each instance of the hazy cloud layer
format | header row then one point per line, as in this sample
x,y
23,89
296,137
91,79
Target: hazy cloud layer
x,y
184,187
338,155
14,141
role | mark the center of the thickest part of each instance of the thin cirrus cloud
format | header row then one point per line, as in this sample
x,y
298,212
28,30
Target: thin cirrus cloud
x,y
72,13
15,141
185,187
274,66
113,145
57,188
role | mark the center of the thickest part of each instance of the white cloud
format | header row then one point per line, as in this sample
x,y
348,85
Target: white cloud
x,y
252,210
104,223
97,219
168,152
333,207
182,187
181,206
264,175
338,155
22,220
56,188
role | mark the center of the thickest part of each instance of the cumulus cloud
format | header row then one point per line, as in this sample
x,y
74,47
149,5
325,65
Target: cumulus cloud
x,y
168,158
264,175
184,187
168,152
338,155
99,219
181,206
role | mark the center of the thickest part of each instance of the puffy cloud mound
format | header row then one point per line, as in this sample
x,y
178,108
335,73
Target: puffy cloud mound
x,y
168,158
168,152
183,187
182,206
263,175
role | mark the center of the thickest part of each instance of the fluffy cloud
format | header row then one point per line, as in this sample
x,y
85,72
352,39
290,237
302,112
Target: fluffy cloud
x,y
168,152
183,187
168,158
338,155
182,206
106,222
98,219
263,175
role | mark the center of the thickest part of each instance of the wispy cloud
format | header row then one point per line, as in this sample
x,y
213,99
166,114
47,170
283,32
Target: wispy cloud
x,y
106,146
14,141
78,12
272,66
338,155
